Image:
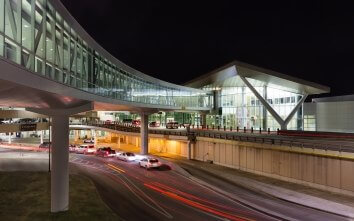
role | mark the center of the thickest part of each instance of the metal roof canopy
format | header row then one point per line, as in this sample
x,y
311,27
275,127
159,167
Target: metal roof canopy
x,y
270,78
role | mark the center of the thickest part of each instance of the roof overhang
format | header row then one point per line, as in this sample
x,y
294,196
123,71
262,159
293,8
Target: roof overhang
x,y
268,77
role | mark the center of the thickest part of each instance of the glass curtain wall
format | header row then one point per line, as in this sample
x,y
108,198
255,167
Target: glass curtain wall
x,y
33,34
241,108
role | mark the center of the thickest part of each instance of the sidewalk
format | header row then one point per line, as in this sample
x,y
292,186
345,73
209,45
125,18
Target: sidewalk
x,y
307,196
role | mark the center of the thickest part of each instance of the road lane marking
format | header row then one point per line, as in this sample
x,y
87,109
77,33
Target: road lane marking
x,y
115,168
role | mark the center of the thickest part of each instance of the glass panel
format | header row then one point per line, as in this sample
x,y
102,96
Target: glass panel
x,y
39,65
11,18
2,15
39,34
72,57
49,42
66,52
26,25
24,57
10,50
1,45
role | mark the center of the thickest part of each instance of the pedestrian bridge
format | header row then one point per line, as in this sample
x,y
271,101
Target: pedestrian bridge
x,y
48,60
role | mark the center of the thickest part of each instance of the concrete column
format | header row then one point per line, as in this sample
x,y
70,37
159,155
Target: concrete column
x,y
89,134
118,141
110,136
10,138
189,150
42,134
203,119
76,135
144,130
60,164
94,137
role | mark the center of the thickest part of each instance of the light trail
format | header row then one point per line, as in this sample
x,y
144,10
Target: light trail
x,y
197,205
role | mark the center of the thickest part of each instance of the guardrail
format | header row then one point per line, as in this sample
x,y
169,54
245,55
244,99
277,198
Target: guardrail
x,y
341,146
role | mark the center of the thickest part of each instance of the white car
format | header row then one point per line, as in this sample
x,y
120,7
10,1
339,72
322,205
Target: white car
x,y
89,141
85,149
72,148
148,163
126,156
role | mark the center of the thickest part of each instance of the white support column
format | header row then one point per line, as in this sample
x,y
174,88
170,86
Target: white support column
x,y
60,164
10,138
264,102
296,108
42,134
94,136
60,153
144,130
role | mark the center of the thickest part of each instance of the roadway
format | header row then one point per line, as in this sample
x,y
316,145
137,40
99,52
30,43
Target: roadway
x,y
158,194
135,193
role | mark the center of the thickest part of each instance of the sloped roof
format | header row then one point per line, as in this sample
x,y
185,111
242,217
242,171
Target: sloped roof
x,y
219,76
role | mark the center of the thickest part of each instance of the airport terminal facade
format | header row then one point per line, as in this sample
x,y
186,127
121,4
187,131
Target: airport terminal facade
x,y
244,96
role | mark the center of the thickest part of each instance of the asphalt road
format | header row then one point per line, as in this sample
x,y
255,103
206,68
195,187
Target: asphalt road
x,y
135,193
158,194
292,211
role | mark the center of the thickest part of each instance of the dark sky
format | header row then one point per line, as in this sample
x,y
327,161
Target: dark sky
x,y
179,40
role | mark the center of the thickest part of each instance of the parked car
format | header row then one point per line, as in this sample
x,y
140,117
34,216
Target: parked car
x,y
89,140
172,125
72,148
148,163
105,152
34,135
26,121
136,122
126,156
154,124
108,122
39,120
45,144
85,149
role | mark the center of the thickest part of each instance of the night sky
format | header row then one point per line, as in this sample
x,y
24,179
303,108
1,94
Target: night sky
x,y
179,40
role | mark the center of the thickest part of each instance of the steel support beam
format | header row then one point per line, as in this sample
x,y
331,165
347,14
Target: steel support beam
x,y
296,108
263,101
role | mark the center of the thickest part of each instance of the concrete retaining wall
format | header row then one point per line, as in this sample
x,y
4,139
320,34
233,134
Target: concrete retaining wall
x,y
331,172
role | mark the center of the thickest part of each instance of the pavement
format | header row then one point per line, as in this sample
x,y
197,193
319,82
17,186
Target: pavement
x,y
339,204
321,200
22,160
267,196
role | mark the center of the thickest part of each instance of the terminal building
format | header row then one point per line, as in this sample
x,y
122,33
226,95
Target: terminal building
x,y
246,96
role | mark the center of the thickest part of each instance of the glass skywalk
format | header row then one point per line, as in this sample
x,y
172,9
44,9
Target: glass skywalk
x,y
38,35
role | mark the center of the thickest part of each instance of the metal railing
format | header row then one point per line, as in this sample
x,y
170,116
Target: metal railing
x,y
323,144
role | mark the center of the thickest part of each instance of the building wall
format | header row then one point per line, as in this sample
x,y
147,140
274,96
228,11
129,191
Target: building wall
x,y
281,162
332,116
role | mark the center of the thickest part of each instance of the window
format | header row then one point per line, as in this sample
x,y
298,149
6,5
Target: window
x,y
310,122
